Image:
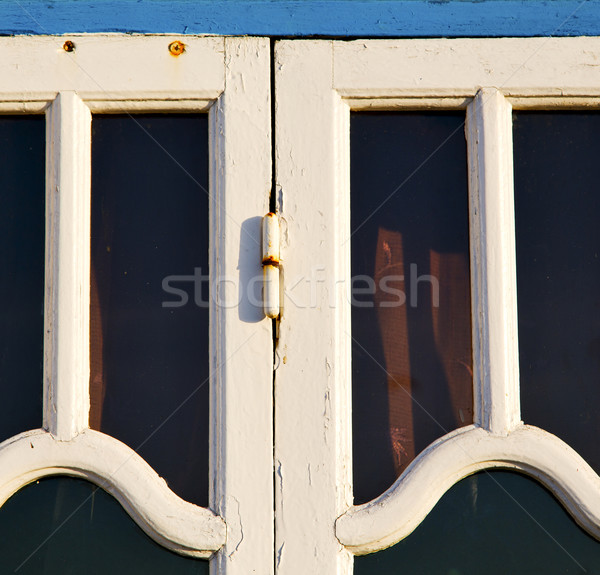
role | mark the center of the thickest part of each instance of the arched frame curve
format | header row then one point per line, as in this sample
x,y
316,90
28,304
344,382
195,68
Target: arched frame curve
x,y
169,520
537,453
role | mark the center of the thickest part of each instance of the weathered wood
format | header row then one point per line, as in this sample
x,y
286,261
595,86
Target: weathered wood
x,y
241,339
312,383
358,18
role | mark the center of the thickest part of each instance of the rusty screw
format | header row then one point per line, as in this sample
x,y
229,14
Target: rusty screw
x,y
176,48
68,46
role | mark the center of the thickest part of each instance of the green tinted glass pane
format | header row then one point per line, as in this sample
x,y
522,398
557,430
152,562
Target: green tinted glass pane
x,y
64,526
557,210
22,223
492,523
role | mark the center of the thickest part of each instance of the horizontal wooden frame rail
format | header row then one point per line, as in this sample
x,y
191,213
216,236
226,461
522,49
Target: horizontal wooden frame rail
x,y
111,68
453,68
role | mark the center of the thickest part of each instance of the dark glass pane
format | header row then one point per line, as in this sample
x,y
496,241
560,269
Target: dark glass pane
x,y
411,312
558,274
492,523
22,224
149,306
64,526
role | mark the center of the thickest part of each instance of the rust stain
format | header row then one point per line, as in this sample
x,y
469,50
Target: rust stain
x,y
176,48
270,261
68,46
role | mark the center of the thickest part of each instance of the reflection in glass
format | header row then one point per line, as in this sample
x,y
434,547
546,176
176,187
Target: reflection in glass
x,y
22,225
492,523
411,312
557,207
149,303
64,526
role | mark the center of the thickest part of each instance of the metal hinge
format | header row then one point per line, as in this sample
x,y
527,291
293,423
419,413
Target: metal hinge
x,y
270,263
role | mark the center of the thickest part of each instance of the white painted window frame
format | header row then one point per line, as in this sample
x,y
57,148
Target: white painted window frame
x,y
230,79
318,84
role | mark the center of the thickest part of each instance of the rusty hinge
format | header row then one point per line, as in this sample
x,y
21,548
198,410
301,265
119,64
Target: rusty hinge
x,y
270,263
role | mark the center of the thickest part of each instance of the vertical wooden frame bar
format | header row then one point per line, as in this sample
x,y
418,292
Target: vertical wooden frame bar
x,y
241,353
343,309
494,287
312,378
66,341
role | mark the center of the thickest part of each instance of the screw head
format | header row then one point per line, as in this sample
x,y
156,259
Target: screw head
x,y
68,46
176,48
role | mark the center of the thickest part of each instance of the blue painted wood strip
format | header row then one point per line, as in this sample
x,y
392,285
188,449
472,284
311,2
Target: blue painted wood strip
x,y
378,18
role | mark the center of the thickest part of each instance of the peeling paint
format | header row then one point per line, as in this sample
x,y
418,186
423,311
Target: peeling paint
x,y
280,554
280,475
238,526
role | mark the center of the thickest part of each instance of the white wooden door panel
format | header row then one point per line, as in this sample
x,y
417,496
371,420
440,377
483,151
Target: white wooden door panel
x,y
69,79
318,84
